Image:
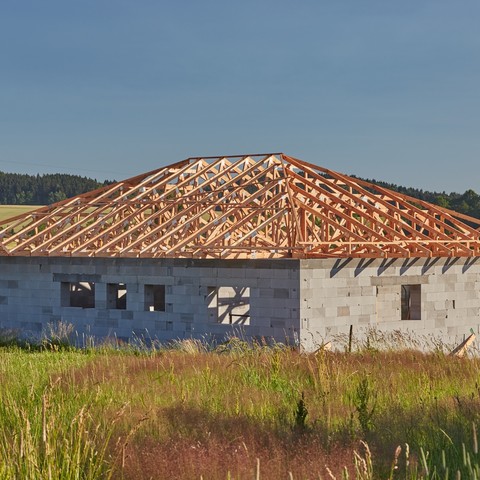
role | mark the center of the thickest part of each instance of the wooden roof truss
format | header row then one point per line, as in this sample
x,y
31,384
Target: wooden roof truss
x,y
250,206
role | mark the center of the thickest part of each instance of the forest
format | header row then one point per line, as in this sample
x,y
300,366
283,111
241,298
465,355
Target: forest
x,y
467,203
22,189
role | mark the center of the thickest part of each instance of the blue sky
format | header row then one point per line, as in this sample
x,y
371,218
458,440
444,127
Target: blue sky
x,y
112,88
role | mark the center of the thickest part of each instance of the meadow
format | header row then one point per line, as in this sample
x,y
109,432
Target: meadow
x,y
7,211
236,411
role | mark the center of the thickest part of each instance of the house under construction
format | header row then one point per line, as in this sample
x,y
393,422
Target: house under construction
x,y
256,245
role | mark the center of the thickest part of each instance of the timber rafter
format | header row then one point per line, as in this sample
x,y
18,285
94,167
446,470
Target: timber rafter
x,y
247,206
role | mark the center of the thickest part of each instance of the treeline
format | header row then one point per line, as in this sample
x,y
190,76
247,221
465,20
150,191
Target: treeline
x,y
21,189
467,203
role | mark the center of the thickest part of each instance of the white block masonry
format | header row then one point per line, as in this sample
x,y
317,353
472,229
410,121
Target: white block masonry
x,y
283,300
165,299
429,297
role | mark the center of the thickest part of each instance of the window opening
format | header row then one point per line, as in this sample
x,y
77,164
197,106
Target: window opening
x,y
155,298
117,296
229,305
411,302
78,294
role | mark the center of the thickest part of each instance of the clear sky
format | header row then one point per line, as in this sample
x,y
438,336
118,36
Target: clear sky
x,y
384,89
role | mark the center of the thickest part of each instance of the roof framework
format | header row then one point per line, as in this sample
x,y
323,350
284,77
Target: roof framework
x,y
249,206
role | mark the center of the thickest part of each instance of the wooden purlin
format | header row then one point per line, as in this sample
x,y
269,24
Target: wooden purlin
x,y
198,209
12,222
246,206
96,212
456,246
96,232
429,206
336,207
231,203
83,207
78,210
68,218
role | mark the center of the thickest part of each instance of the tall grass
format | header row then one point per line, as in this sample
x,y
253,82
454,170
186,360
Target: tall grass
x,y
227,405
46,432
238,411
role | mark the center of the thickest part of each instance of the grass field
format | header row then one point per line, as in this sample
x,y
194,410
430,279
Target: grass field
x,y
7,211
237,412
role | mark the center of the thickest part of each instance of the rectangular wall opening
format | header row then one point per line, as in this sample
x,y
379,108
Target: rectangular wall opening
x,y
411,302
155,298
78,294
229,305
117,296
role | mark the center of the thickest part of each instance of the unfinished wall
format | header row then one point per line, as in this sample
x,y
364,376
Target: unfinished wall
x,y
427,296
311,300
151,298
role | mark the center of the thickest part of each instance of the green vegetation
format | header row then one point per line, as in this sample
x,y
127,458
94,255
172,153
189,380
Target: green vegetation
x,y
467,203
236,412
7,211
18,189
45,431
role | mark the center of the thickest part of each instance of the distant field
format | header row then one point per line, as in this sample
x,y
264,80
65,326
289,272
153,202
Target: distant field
x,y
7,211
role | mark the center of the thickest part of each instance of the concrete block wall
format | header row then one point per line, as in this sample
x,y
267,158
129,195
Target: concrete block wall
x,y
311,301
335,294
30,297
